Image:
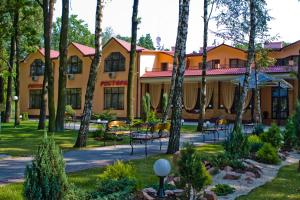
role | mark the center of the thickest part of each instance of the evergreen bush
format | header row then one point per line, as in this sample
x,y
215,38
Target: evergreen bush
x,y
255,143
258,129
268,154
119,170
46,179
192,172
296,120
223,189
272,136
237,145
289,136
146,103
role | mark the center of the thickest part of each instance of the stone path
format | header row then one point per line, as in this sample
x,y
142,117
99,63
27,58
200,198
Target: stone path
x,y
12,169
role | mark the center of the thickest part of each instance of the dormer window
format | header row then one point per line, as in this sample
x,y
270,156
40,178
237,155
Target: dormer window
x,y
114,62
74,65
37,68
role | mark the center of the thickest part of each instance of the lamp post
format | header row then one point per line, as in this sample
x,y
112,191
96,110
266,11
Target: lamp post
x,y
161,169
15,99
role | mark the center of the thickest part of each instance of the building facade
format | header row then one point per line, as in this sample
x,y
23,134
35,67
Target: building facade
x,y
153,76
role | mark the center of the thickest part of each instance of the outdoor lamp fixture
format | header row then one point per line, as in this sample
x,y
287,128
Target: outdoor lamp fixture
x,y
161,168
15,99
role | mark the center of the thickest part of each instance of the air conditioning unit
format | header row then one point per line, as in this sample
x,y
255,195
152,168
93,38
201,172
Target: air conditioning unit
x,y
112,75
35,78
71,76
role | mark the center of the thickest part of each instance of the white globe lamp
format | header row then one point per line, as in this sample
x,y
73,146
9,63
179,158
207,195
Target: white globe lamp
x,y
162,168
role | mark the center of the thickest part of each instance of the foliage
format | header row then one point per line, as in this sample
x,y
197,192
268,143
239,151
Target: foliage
x,y
237,145
70,112
223,189
78,31
222,160
258,129
108,115
146,42
46,178
255,143
297,122
119,170
112,189
191,170
107,34
146,106
272,136
75,193
289,136
166,186
165,100
152,119
125,38
25,116
268,154
233,20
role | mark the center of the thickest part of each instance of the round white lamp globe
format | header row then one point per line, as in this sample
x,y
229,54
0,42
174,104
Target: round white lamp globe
x,y
15,98
162,167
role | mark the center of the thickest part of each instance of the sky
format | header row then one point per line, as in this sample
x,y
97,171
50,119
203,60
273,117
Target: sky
x,y
160,18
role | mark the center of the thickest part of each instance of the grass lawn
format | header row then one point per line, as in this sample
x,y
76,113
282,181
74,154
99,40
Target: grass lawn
x,y
189,128
87,179
286,186
23,141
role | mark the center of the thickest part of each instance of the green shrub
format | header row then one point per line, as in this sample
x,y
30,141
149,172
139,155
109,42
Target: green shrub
x,y
258,129
237,145
165,100
75,193
223,159
69,111
255,143
223,189
46,177
108,115
268,154
146,103
297,122
272,136
119,170
289,136
25,116
192,172
112,189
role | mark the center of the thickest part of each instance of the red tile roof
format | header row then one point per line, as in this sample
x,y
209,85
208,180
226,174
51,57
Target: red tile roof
x,y
216,72
127,45
85,50
53,53
212,48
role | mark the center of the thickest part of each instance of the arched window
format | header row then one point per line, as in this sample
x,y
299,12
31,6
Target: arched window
x,y
114,62
74,65
37,68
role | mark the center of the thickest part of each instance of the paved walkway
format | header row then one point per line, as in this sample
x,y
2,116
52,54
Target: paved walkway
x,y
12,169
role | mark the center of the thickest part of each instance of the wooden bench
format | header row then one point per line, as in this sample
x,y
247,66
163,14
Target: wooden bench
x,y
144,133
116,128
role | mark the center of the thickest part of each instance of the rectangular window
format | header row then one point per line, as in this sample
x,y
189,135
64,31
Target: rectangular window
x,y
280,103
215,64
73,97
236,63
164,66
74,65
114,98
35,99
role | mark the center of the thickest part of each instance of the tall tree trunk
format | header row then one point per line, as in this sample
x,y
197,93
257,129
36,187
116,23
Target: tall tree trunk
x,y
10,79
2,114
258,116
250,61
174,140
47,37
132,62
17,81
298,76
204,58
63,62
42,117
87,112
175,66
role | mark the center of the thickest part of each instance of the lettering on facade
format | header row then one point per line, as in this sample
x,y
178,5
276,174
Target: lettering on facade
x,y
113,83
35,85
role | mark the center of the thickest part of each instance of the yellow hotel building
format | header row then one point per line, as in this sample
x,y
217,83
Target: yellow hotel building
x,y
154,69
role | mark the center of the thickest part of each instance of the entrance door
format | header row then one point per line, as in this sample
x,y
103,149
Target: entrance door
x,y
280,103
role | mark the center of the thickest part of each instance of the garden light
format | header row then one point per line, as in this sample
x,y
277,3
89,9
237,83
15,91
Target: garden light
x,y
162,169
